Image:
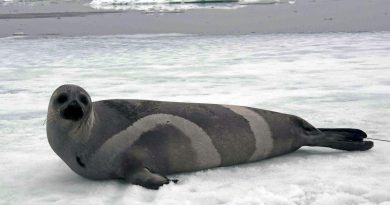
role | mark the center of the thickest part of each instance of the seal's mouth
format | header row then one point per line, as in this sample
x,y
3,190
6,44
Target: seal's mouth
x,y
73,112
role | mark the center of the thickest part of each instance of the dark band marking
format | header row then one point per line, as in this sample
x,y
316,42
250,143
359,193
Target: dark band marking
x,y
260,129
207,155
167,150
229,132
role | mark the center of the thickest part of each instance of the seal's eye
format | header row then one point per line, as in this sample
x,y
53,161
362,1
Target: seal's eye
x,y
62,98
84,99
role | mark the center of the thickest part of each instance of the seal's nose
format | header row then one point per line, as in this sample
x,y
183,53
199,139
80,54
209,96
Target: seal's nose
x,y
74,103
73,111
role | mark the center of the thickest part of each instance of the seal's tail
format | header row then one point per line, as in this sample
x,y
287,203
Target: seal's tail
x,y
341,138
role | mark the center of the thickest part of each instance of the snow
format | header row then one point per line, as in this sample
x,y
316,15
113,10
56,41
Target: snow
x,y
331,80
154,6
178,5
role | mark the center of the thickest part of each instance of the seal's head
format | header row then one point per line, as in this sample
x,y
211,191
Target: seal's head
x,y
70,104
69,122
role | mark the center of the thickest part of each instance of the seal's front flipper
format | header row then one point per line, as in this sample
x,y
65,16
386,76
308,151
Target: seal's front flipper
x,y
147,179
341,138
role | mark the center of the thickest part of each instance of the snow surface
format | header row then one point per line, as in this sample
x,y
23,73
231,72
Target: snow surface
x,y
332,80
156,5
178,5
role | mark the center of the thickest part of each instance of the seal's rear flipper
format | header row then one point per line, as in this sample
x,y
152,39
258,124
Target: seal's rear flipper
x,y
348,133
341,138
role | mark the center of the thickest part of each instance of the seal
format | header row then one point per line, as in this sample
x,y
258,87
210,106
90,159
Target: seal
x,y
142,141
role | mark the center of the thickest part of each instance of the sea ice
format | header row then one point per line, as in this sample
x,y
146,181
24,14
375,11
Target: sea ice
x,y
332,80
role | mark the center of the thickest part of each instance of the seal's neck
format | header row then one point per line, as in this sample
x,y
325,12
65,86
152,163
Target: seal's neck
x,y
68,140
81,131
64,134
